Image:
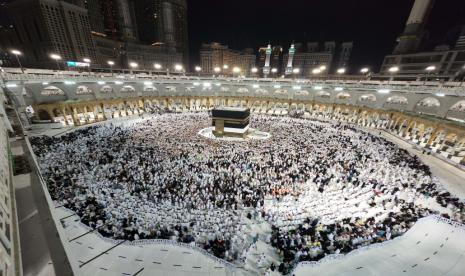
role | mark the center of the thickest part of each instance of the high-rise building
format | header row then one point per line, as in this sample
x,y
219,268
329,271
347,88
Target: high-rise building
x,y
276,57
461,39
96,15
42,27
330,47
447,60
163,21
261,57
266,67
290,59
313,47
127,19
315,57
414,32
344,54
217,55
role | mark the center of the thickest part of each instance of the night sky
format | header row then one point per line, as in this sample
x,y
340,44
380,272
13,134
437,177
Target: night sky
x,y
373,25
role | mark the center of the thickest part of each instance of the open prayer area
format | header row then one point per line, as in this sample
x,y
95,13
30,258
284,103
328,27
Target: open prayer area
x,y
320,188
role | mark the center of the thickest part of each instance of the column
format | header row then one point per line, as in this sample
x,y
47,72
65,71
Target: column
x,y
63,111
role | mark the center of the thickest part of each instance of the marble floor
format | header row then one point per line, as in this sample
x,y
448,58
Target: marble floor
x,y
429,248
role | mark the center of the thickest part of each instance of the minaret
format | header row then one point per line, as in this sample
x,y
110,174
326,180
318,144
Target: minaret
x,y
411,38
266,68
289,60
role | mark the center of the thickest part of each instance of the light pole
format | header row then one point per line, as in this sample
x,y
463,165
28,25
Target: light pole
x,y
428,70
316,71
111,63
178,68
87,60
393,70
17,54
133,65
217,70
157,67
295,71
274,71
341,71
56,58
236,70
198,69
365,71
254,71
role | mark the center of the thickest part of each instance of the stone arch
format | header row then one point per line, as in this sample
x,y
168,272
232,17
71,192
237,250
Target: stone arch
x,y
51,91
458,106
127,89
261,91
43,115
343,96
57,112
150,88
430,102
323,94
83,90
170,88
106,89
397,100
302,93
367,98
242,90
280,91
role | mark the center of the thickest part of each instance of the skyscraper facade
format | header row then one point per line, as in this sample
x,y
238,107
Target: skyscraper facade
x,y
412,37
43,27
217,55
313,57
163,21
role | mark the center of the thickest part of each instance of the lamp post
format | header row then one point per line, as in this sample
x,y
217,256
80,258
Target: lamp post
x,y
198,69
254,71
236,70
133,65
217,70
111,63
341,71
56,58
157,67
393,70
365,71
178,68
295,71
428,70
87,60
17,54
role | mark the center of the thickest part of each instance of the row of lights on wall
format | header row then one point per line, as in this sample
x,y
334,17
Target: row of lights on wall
x,y
395,69
179,67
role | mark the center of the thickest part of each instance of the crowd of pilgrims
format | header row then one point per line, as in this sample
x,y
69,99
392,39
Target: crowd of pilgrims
x,y
325,188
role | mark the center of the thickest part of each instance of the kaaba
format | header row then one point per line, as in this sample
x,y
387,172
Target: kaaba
x,y
230,121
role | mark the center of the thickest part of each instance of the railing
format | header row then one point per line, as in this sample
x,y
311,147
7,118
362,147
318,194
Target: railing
x,y
14,74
